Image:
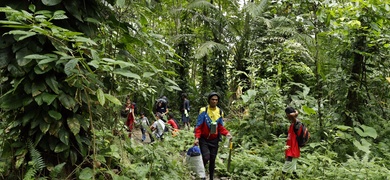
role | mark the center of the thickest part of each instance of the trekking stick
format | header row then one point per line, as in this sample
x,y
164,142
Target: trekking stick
x,y
230,154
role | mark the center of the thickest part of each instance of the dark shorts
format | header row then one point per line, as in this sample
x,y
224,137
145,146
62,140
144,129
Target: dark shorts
x,y
185,119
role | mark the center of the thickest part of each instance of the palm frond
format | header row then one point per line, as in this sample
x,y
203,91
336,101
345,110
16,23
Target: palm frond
x,y
207,48
201,4
255,9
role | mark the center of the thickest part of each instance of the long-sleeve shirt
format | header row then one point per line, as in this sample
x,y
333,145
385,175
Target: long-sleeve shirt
x,y
204,120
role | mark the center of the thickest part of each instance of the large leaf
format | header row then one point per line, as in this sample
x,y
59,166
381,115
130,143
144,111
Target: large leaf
x,y
51,2
113,99
54,114
100,96
52,83
5,58
74,125
69,67
60,147
308,110
126,73
48,98
367,131
67,101
364,146
44,126
64,136
86,174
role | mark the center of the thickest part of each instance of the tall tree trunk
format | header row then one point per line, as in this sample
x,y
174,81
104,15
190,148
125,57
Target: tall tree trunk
x,y
353,99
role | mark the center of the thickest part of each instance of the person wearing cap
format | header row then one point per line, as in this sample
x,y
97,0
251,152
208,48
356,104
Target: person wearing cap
x,y
207,130
292,152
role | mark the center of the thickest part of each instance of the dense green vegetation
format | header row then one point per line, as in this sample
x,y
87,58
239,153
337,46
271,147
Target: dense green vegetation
x,y
67,65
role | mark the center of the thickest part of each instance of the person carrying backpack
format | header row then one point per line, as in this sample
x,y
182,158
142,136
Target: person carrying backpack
x,y
292,153
161,107
209,127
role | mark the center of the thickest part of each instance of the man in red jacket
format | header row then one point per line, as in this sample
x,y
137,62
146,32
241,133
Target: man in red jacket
x,y
292,152
208,127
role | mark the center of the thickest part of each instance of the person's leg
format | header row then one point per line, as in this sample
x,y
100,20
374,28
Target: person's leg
x,y
213,155
290,165
204,149
143,134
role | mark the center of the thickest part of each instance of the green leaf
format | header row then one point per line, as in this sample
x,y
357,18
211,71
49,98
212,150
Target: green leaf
x,y
67,101
120,3
20,34
69,67
85,40
126,73
37,88
60,147
343,128
308,110
64,136
113,99
86,174
51,2
5,58
54,114
44,126
48,98
100,96
148,74
364,146
74,125
52,83
60,14
56,170
367,131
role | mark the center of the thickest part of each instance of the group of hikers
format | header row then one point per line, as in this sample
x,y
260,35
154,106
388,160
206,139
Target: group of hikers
x,y
209,128
164,120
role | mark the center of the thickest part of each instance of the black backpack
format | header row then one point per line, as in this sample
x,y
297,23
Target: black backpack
x,y
302,133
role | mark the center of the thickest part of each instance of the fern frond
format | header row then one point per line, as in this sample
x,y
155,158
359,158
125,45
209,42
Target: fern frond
x,y
36,164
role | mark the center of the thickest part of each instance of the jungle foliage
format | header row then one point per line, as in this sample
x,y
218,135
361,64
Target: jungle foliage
x,y
66,66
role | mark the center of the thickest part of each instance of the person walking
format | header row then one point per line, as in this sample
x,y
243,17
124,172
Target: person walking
x,y
158,127
185,110
292,153
144,123
209,127
128,111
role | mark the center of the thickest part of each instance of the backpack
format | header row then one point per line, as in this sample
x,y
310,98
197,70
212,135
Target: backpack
x,y
177,123
302,133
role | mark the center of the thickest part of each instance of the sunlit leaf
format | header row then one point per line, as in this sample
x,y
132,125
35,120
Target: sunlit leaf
x,y
86,174
60,147
113,99
69,67
51,2
44,126
67,101
54,114
127,73
100,96
74,125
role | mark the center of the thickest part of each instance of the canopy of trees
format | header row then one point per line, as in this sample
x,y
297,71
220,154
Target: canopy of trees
x,y
66,67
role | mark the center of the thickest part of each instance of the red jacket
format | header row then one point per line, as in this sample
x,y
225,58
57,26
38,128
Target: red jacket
x,y
202,128
293,150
